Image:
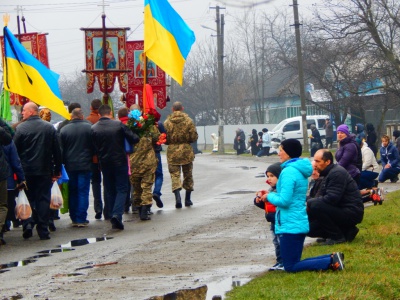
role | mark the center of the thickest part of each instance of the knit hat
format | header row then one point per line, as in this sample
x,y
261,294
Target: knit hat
x,y
274,169
264,130
292,147
343,128
312,126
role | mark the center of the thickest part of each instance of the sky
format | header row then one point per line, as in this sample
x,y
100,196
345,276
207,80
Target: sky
x,y
62,20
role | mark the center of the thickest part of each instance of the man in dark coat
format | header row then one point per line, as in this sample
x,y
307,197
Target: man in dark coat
x,y
109,140
77,149
334,214
39,150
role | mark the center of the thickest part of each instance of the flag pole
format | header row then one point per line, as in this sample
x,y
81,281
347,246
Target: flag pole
x,y
144,81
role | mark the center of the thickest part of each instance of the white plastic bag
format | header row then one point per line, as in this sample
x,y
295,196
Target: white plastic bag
x,y
23,209
56,200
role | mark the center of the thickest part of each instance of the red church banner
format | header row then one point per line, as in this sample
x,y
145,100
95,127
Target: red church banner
x,y
155,77
116,64
36,44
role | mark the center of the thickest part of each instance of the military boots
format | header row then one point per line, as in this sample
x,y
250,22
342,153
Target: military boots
x,y
178,201
188,202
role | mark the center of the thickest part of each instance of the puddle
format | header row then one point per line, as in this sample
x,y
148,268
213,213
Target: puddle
x,y
260,175
244,167
219,288
57,250
240,192
20,263
82,242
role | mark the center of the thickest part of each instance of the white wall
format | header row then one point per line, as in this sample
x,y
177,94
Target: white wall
x,y
229,132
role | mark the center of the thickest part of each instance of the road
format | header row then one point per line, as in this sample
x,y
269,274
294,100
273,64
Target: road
x,y
221,240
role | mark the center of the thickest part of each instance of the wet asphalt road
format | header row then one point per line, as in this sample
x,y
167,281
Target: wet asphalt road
x,y
176,249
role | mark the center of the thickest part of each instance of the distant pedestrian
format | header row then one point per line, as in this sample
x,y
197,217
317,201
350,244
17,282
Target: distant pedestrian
x,y
266,143
239,142
390,161
328,126
253,142
315,140
109,140
372,137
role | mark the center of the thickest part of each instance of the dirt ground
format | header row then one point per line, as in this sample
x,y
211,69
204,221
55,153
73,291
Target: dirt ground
x,y
223,240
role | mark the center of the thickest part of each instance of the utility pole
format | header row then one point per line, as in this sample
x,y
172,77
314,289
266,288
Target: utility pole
x,y
301,76
220,52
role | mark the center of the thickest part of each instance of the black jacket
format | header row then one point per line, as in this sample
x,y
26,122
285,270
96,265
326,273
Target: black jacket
x,y
38,147
108,138
77,146
340,190
5,139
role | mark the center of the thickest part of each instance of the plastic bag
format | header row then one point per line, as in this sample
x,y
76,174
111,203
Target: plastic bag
x,y
23,209
65,194
64,176
56,200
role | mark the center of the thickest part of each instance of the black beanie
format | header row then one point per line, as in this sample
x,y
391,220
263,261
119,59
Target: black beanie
x,y
275,169
292,147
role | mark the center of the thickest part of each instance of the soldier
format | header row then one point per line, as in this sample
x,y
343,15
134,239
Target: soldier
x,y
143,167
180,133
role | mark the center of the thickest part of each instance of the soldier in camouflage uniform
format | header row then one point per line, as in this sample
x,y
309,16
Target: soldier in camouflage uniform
x,y
180,133
143,167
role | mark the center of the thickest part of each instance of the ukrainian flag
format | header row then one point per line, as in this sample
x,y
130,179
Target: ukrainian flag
x,y
25,75
167,38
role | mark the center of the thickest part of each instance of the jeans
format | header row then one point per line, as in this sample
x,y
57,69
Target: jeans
x,y
328,142
264,151
115,180
159,176
275,241
78,185
291,250
367,179
39,194
389,173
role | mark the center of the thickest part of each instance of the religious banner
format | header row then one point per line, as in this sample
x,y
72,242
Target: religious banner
x,y
115,59
36,44
155,77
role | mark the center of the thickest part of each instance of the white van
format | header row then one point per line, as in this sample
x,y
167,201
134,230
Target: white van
x,y
291,128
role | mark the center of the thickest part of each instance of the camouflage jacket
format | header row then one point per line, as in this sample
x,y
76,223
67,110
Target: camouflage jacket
x,y
144,159
180,133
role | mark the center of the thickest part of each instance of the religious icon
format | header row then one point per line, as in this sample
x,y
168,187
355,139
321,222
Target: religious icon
x,y
111,48
139,58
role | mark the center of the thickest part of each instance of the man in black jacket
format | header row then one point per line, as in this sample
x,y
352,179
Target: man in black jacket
x,y
335,213
40,154
109,139
5,139
77,149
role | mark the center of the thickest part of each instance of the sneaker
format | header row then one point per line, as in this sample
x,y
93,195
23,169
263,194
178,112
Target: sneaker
x,y
277,267
81,225
337,261
74,224
329,242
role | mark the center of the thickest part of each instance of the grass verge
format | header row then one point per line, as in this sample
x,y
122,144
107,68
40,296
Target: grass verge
x,y
372,265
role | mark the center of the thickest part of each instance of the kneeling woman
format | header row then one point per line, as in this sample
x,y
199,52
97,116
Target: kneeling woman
x,y
291,216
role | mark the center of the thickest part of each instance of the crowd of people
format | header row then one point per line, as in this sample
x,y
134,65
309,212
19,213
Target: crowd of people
x,y
119,156
330,205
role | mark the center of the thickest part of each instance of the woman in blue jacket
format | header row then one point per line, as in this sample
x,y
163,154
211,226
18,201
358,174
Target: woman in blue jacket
x,y
291,216
390,161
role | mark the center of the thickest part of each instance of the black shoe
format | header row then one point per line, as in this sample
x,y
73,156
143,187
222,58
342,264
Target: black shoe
x,y
27,232
98,216
144,215
45,237
16,223
116,224
394,180
52,227
5,228
351,234
157,198
333,242
178,200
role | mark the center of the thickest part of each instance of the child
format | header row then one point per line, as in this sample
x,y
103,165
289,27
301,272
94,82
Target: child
x,y
273,172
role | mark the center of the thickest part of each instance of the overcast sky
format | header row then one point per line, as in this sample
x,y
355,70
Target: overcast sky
x,y
62,20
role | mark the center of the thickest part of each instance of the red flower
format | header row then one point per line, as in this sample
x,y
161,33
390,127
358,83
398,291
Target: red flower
x,y
146,117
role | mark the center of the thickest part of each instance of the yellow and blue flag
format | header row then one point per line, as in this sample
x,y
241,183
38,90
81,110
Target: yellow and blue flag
x,y
26,76
167,38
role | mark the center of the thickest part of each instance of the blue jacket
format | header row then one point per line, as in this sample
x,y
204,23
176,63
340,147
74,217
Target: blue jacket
x,y
390,155
14,163
290,199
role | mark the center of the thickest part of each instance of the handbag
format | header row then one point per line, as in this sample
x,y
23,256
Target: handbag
x,y
56,200
23,209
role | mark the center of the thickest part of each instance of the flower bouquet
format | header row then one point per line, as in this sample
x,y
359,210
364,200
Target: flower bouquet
x,y
141,123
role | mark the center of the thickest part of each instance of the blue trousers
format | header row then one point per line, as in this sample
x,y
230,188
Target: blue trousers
x,y
367,179
389,173
159,176
115,180
78,187
291,249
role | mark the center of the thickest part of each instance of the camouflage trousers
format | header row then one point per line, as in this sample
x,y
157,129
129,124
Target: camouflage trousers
x,y
142,189
175,171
